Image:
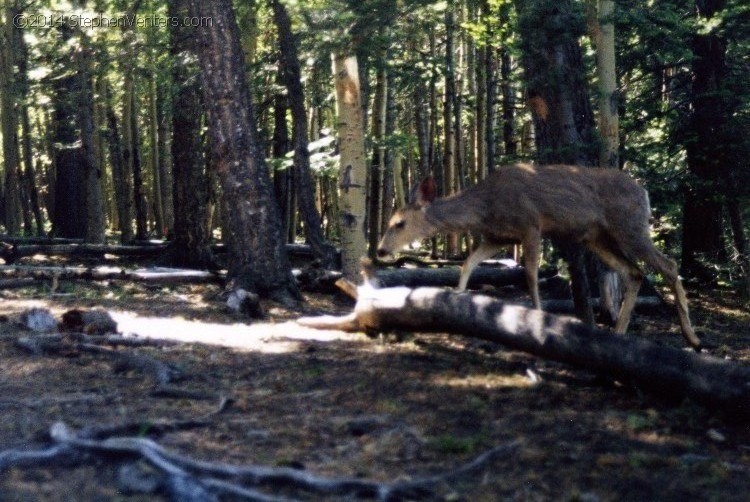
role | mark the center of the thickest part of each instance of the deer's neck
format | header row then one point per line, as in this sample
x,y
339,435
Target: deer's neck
x,y
453,214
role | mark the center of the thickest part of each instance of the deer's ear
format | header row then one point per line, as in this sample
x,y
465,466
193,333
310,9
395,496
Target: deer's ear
x,y
427,191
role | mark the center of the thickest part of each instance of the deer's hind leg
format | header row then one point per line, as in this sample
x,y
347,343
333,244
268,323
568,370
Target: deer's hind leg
x,y
632,277
532,253
647,252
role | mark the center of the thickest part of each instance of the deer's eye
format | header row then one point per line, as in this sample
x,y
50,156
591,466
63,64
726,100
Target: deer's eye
x,y
400,224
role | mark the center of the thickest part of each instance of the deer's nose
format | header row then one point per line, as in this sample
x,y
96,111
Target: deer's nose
x,y
382,253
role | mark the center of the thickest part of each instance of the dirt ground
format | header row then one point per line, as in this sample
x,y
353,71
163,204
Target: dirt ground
x,y
392,407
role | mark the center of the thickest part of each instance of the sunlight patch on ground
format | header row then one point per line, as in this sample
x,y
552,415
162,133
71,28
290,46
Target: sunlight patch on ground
x,y
267,337
488,381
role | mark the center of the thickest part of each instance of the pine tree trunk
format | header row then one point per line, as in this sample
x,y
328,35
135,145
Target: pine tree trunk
x,y
252,231
93,185
155,158
9,122
558,96
378,159
449,145
192,235
29,179
139,190
120,173
353,164
702,215
303,182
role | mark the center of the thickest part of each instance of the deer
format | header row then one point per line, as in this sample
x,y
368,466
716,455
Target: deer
x,y
604,210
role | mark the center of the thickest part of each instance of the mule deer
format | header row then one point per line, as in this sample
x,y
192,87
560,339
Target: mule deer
x,y
602,209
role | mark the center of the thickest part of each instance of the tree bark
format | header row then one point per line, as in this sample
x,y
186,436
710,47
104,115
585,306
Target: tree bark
x,y
192,236
353,163
257,259
559,100
8,98
303,182
708,135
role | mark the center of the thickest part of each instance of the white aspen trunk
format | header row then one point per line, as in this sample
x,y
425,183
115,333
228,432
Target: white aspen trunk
x,y
353,164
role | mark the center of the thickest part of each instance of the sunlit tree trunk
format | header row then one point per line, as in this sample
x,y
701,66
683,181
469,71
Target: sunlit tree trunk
x,y
353,163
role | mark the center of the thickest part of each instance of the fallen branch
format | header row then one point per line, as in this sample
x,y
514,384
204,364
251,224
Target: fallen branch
x,y
195,477
675,373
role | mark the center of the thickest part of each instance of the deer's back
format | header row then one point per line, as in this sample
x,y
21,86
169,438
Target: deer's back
x,y
566,201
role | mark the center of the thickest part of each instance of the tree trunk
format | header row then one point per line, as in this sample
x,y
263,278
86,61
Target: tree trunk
x,y
120,173
9,121
155,158
602,30
257,257
353,163
449,153
139,190
702,216
374,214
29,180
558,96
192,236
93,185
303,183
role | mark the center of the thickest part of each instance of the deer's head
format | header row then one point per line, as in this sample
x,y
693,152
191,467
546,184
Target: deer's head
x,y
410,223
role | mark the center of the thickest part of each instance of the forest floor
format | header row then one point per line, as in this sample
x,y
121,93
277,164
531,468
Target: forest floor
x,y
390,408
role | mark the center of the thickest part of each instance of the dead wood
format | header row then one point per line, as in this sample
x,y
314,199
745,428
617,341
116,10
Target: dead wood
x,y
151,274
566,306
449,276
184,478
22,282
13,253
666,371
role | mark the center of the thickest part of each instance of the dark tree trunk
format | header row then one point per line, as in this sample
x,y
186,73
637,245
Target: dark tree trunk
x,y
120,175
303,182
509,104
92,174
490,69
282,178
706,159
192,237
559,99
139,192
257,257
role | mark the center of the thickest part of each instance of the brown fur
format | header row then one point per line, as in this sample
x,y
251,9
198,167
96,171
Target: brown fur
x,y
602,209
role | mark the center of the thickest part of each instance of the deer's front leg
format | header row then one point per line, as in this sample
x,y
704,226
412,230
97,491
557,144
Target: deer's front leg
x,y
532,243
485,251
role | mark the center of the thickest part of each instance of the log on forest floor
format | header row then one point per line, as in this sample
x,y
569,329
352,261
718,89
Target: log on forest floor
x,y
672,373
448,276
150,274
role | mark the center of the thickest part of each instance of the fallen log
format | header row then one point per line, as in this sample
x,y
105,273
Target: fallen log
x,y
448,276
150,274
556,306
11,254
677,374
